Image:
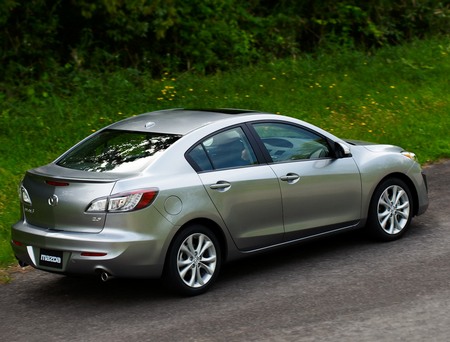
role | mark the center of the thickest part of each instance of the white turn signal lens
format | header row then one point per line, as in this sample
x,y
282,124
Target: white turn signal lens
x,y
124,203
98,205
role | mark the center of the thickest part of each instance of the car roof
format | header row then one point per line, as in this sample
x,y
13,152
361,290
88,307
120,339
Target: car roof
x,y
178,121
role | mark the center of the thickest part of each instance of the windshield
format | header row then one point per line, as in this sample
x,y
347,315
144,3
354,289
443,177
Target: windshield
x,y
117,151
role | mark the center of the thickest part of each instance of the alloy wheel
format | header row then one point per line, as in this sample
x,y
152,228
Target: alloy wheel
x,y
393,209
196,260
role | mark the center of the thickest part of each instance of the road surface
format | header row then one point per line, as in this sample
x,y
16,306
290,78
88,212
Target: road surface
x,y
343,288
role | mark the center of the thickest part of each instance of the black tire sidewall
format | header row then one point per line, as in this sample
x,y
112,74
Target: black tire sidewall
x,y
373,225
172,276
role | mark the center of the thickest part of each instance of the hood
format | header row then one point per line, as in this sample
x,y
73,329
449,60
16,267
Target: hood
x,y
374,147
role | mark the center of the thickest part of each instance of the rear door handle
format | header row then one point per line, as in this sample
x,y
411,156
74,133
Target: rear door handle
x,y
291,178
221,186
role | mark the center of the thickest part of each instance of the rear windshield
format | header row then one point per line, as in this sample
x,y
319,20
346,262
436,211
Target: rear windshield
x,y
117,151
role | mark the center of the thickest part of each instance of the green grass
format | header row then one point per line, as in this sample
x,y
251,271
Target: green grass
x,y
399,95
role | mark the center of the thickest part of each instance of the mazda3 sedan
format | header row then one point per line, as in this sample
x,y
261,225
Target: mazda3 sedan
x,y
175,193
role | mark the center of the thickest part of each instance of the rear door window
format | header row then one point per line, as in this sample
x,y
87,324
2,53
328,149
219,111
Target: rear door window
x,y
227,149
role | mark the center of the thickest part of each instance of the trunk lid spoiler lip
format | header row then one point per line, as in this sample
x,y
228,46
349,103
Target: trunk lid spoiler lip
x,y
53,171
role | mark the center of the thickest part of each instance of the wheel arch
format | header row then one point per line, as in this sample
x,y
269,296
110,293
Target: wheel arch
x,y
211,225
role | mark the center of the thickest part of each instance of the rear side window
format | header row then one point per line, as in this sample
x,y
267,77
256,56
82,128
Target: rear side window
x,y
117,151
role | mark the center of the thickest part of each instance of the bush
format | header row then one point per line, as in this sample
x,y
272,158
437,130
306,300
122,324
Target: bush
x,y
44,38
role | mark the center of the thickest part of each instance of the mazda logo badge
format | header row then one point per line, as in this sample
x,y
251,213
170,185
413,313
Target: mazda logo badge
x,y
53,201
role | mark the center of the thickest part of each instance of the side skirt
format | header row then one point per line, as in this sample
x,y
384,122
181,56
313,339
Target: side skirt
x,y
309,234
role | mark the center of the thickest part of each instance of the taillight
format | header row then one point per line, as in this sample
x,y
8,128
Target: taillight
x,y
123,202
24,196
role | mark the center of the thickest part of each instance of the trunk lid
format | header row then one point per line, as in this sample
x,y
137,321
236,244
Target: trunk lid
x,y
59,197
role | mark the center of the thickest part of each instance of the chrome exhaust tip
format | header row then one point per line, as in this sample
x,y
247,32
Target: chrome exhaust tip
x,y
105,276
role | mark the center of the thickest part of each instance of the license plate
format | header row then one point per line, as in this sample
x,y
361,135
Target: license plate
x,y
53,259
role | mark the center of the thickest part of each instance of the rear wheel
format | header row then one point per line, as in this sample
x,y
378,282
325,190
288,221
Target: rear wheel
x,y
390,210
194,261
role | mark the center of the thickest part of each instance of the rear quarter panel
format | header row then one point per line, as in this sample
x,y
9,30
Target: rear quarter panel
x,y
182,198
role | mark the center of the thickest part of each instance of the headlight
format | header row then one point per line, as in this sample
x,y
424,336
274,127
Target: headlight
x,y
410,155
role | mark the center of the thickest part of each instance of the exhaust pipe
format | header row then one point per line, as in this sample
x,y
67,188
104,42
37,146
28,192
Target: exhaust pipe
x,y
105,276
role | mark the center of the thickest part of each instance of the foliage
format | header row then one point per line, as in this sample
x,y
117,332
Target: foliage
x,y
398,95
43,38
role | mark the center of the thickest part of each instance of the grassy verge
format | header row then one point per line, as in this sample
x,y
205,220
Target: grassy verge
x,y
398,96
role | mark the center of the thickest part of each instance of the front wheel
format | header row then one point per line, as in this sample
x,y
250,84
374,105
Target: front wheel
x,y
390,210
194,261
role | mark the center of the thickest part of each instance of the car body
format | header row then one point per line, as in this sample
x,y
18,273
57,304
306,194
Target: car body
x,y
175,193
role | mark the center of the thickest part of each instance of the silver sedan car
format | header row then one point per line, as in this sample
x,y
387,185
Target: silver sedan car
x,y
175,193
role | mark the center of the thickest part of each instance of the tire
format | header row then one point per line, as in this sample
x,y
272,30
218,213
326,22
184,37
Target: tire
x,y
390,211
194,261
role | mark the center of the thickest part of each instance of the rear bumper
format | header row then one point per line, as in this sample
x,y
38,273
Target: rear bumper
x,y
118,252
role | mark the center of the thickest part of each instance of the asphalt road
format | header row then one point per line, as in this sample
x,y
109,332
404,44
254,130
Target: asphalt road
x,y
344,288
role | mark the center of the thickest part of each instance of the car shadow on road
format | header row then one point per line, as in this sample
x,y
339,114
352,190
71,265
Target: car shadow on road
x,y
129,290
333,251
295,255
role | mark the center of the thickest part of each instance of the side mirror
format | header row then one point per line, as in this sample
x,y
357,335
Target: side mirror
x,y
342,150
